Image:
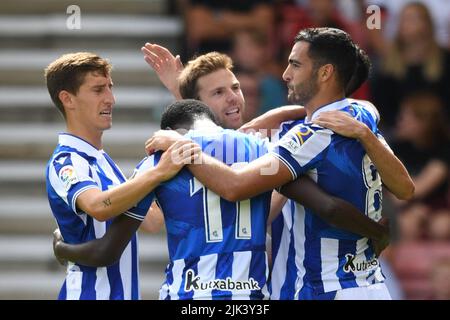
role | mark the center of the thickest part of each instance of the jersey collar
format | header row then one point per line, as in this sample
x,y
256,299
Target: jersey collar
x,y
337,105
67,139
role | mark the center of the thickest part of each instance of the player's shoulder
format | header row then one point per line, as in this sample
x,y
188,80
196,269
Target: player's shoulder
x,y
61,158
364,108
149,161
303,132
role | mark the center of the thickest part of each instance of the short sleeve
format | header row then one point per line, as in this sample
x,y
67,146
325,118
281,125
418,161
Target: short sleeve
x,y
139,211
70,176
302,148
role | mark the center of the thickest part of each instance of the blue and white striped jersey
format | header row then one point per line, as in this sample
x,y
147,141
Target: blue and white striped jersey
x,y
284,250
74,167
216,247
315,256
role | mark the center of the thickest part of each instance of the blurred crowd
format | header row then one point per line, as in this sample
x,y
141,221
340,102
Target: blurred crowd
x,y
409,84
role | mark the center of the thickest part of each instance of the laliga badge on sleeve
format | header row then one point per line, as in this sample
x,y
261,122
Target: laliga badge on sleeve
x,y
68,177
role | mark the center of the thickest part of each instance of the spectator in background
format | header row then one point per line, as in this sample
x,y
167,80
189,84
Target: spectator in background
x,y
250,88
252,57
439,9
440,279
210,23
413,61
423,144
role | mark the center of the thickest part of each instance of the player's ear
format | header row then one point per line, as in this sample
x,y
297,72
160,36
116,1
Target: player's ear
x,y
66,99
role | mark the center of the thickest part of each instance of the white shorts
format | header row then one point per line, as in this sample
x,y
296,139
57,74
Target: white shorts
x,y
377,291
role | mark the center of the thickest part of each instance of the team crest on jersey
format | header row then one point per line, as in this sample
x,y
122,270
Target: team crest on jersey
x,y
68,176
303,134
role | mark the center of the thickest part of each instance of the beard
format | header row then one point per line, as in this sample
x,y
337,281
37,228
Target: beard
x,y
302,93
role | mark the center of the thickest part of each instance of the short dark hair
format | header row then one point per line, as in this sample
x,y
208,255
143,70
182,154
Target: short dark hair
x,y
183,113
334,46
68,72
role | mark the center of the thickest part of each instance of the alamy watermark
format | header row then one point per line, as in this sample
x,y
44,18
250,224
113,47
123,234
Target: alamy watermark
x,y
73,21
373,21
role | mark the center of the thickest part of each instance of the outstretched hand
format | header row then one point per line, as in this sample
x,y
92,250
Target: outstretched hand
x,y
57,239
166,66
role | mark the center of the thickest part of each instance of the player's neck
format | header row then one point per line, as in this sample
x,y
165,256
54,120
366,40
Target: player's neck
x,y
203,123
320,100
94,137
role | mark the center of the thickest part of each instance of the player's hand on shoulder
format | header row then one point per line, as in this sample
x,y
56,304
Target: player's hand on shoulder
x,y
341,123
162,140
177,155
58,240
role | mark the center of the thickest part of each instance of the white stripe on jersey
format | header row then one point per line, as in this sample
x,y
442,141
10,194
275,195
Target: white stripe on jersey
x,y
177,274
313,146
241,274
206,271
280,263
330,263
73,282
55,182
102,287
126,267
298,230
361,276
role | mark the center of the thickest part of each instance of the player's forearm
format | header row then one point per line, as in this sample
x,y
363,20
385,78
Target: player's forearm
x,y
337,212
216,176
108,204
349,218
261,175
276,205
272,119
91,254
291,112
393,173
104,251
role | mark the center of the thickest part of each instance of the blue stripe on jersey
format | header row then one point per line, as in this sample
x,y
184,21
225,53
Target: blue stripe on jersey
x,y
223,271
308,293
208,234
258,260
346,279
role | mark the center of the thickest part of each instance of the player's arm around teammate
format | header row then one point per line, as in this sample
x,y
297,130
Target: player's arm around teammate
x,y
108,249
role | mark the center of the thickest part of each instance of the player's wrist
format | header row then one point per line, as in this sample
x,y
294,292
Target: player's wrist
x,y
363,133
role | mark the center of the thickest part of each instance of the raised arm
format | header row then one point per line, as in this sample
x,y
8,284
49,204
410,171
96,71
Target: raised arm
x,y
335,211
166,66
392,171
100,252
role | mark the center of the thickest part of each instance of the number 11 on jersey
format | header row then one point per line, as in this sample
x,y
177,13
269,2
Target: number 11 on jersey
x,y
212,214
